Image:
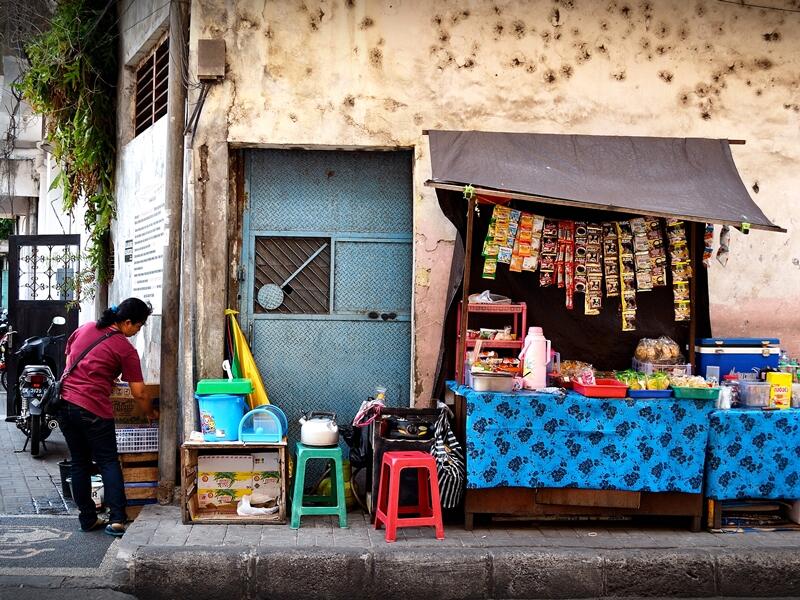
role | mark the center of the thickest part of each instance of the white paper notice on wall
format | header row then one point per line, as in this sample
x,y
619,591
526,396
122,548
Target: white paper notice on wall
x,y
149,231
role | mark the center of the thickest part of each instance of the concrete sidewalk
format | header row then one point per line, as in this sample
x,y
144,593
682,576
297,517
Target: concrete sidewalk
x,y
166,559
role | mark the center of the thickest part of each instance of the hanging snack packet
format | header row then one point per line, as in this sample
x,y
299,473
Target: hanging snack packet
x,y
681,269
611,259
593,300
708,244
641,247
549,253
627,268
489,268
580,257
658,257
724,245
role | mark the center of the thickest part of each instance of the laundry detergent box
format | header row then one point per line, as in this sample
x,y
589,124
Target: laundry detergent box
x,y
222,499
126,410
266,476
226,471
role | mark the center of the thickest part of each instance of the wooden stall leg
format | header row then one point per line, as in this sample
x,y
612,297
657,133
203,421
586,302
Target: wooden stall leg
x,y
469,520
697,523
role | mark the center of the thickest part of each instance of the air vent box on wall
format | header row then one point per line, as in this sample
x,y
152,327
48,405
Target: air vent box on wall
x,y
210,60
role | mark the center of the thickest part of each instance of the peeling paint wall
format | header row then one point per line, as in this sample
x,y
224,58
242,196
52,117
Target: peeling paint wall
x,y
362,73
140,167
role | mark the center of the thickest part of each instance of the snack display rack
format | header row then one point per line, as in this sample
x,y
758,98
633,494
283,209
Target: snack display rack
x,y
518,310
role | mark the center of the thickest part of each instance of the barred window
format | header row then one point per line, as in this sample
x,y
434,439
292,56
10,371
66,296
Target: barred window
x,y
151,88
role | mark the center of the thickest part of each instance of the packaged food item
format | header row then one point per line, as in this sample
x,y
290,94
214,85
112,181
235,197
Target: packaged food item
x,y
688,381
663,350
681,268
549,253
627,274
593,300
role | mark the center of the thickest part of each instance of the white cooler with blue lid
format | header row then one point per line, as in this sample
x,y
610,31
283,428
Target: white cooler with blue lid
x,y
740,354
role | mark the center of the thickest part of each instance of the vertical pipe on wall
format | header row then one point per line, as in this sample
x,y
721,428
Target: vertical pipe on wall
x,y
171,288
461,350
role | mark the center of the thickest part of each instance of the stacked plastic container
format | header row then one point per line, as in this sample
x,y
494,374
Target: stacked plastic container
x,y
222,404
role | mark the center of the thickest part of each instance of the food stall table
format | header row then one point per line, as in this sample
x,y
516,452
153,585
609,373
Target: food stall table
x,y
753,454
534,454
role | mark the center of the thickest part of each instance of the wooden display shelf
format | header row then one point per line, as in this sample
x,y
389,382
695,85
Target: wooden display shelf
x,y
495,343
549,502
191,513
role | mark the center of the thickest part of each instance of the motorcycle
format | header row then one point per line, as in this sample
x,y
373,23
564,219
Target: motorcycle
x,y
37,374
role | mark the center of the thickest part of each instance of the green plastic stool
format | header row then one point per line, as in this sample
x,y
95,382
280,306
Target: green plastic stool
x,y
332,505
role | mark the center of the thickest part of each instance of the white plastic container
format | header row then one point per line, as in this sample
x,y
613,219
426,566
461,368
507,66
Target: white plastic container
x,y
492,382
535,356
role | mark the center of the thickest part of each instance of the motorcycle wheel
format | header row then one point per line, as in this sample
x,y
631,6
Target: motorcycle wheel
x,y
36,432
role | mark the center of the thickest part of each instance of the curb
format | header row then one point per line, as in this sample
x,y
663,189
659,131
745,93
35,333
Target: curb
x,y
439,573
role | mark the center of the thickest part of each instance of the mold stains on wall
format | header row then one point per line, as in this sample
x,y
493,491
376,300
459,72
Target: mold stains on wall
x,y
665,76
498,30
772,36
349,101
764,64
566,71
619,75
392,105
418,119
519,29
555,17
376,57
583,53
662,31
755,187
349,3
549,76
366,23
293,117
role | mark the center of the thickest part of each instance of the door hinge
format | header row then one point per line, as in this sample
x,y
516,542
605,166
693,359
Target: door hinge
x,y
241,274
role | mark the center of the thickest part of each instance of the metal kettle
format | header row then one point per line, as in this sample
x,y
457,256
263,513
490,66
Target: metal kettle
x,y
319,429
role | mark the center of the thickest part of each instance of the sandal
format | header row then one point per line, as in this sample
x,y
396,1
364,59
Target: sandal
x,y
99,522
115,529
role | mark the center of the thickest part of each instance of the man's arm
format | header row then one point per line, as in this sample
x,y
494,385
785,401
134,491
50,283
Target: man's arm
x,y
139,393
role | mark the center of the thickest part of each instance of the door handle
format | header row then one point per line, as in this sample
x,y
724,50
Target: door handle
x,y
388,316
373,315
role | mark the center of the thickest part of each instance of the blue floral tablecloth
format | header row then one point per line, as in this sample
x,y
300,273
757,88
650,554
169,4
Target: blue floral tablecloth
x,y
531,439
753,453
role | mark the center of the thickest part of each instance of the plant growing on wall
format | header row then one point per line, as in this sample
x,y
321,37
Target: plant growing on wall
x,y
6,228
71,80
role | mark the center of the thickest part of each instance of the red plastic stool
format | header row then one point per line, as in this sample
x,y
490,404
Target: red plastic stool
x,y
428,507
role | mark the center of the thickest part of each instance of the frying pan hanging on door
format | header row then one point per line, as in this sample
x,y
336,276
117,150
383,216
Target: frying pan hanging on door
x,y
271,296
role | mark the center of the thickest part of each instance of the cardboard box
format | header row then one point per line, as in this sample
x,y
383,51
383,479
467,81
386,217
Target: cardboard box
x,y
126,410
266,476
225,472
224,500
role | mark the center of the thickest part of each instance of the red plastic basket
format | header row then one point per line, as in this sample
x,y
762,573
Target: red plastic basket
x,y
604,388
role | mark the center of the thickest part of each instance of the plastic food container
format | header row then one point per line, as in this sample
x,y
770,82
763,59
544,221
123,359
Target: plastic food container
x,y
795,396
604,388
701,393
649,393
236,387
754,394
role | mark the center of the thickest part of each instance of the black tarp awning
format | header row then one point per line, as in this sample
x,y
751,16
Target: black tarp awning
x,y
693,179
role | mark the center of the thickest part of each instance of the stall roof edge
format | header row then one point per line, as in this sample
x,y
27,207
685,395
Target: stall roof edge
x,y
694,179
459,187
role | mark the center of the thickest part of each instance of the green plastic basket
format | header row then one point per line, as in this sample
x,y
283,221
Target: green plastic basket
x,y
696,393
236,387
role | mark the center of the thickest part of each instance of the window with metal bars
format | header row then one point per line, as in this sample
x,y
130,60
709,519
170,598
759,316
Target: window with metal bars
x,y
151,88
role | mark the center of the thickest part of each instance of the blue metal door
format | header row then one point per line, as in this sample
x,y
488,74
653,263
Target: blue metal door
x,y
343,325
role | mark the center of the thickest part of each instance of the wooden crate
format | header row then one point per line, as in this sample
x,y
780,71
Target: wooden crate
x,y
190,509
139,467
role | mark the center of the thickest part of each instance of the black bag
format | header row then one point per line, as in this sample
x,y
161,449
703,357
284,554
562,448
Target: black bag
x,y
52,402
450,463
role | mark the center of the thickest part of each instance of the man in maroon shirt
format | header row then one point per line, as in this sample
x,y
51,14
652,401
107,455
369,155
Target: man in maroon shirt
x,y
87,419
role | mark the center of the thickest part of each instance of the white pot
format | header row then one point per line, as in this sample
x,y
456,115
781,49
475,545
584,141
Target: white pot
x,y
319,429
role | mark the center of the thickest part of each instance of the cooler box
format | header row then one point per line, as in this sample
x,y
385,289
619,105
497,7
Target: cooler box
x,y
741,354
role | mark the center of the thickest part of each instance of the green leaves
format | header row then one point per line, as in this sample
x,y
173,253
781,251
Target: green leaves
x,y
71,81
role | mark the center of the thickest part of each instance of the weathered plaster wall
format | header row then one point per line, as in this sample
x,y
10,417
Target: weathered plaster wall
x,y
140,166
365,73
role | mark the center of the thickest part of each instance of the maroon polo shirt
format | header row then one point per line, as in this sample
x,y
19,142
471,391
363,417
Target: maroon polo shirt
x,y
89,384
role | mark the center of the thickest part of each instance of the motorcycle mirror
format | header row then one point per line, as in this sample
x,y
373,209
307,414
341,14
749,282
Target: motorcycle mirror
x,y
59,320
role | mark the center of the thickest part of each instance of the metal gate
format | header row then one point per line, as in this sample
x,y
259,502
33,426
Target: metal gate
x,y
41,272
338,226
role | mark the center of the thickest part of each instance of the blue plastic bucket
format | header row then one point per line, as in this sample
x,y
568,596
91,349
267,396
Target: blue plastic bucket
x,y
220,415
